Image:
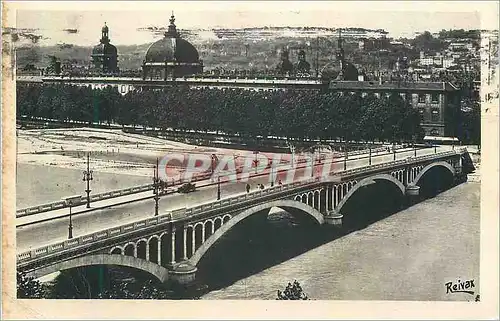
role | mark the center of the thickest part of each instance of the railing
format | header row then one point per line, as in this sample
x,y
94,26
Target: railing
x,y
183,213
96,197
364,151
396,163
102,196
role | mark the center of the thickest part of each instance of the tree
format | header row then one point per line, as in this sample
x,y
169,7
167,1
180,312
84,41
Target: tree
x,y
292,292
28,288
426,42
292,113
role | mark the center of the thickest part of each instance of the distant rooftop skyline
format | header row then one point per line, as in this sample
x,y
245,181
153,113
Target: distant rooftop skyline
x,y
123,19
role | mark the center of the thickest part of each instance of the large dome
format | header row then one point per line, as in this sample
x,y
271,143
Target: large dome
x,y
171,57
172,49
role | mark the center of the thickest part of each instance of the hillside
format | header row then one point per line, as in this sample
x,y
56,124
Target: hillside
x,y
248,48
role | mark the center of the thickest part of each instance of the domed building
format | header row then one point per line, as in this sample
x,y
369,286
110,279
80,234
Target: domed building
x,y
284,67
342,70
347,70
104,55
171,57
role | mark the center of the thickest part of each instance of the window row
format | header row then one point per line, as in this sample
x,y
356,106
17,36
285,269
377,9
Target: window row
x,y
434,114
434,98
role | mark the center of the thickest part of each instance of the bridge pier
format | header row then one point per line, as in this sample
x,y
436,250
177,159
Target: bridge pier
x,y
334,218
460,178
412,192
183,273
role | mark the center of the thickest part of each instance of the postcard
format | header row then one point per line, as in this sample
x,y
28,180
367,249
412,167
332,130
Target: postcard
x,y
214,159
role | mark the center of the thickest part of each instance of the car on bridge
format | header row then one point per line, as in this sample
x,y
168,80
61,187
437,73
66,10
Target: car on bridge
x,y
186,188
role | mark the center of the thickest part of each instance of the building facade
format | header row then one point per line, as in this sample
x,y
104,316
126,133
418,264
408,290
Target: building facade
x,y
438,103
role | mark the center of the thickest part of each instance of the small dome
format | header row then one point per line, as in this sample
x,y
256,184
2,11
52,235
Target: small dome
x,y
350,72
170,49
303,66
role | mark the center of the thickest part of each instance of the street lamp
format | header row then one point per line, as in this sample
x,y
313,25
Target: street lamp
x,y
345,159
87,176
70,226
218,187
272,173
70,200
370,156
394,151
156,183
213,163
255,162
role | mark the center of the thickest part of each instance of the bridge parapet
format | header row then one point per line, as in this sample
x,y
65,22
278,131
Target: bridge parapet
x,y
176,215
407,161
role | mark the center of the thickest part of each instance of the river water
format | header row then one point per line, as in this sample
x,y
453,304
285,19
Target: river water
x,y
409,255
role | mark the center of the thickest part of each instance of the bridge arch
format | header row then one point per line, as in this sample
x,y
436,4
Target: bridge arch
x,y
116,250
153,269
130,249
153,237
284,204
366,181
142,248
217,222
422,172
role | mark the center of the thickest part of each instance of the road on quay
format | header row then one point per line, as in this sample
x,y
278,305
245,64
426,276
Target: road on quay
x,y
42,229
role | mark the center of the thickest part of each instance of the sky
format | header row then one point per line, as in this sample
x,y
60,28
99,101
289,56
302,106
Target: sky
x,y
400,19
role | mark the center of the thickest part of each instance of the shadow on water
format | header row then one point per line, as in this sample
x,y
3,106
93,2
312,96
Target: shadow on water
x,y
255,244
251,247
435,181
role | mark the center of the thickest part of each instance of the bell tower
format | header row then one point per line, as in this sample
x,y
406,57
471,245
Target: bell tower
x,y
105,34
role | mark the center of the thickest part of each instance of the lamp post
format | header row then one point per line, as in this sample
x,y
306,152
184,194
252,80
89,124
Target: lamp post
x,y
370,156
218,187
345,159
156,181
87,176
70,200
394,151
272,173
292,150
255,162
70,226
213,163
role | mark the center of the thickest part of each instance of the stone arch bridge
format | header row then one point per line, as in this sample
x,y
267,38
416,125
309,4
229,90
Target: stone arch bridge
x,y
171,245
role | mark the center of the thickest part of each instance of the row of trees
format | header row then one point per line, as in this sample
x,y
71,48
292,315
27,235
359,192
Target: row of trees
x,y
292,113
